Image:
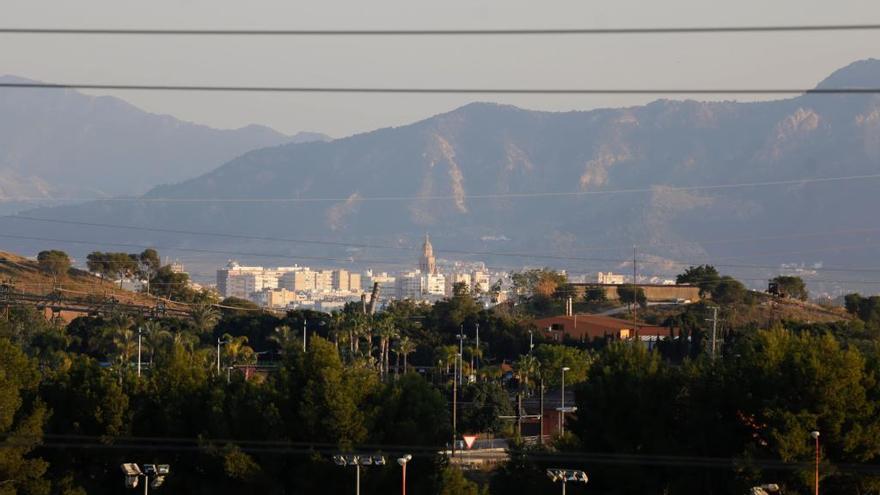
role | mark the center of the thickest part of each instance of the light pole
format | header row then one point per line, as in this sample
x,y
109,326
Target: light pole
x,y
140,332
566,475
562,405
815,435
229,374
357,461
219,343
461,338
476,347
403,462
153,475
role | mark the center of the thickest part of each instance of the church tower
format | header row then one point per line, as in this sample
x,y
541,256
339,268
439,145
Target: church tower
x,y
428,264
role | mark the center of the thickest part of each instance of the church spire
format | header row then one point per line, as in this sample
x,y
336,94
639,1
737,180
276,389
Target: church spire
x,y
428,263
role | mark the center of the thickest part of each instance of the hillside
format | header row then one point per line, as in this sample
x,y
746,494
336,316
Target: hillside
x,y
25,276
588,184
63,144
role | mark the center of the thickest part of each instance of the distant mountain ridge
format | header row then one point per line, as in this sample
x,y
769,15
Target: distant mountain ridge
x,y
583,185
62,143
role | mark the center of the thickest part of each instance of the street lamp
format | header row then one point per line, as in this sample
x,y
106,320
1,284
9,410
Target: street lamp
x,y
566,475
815,435
357,461
140,332
219,343
562,403
153,474
403,462
461,338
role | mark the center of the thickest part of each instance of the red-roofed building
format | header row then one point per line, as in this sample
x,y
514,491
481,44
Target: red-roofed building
x,y
587,327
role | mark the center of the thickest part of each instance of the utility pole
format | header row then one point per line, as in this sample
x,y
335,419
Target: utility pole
x,y
140,332
305,322
714,321
454,408
635,295
541,415
477,346
519,414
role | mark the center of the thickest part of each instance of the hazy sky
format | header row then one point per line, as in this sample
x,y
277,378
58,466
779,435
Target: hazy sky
x,y
704,60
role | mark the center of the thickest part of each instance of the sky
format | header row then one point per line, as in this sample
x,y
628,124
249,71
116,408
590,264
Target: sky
x,y
674,61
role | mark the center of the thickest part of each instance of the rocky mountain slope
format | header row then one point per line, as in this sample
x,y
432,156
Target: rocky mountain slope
x,y
575,184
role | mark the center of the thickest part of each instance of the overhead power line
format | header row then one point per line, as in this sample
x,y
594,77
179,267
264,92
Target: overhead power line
x,y
523,195
442,32
439,90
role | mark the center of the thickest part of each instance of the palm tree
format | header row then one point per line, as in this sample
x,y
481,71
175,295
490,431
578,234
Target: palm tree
x,y
237,350
405,346
385,330
448,355
337,327
204,317
155,337
284,338
527,367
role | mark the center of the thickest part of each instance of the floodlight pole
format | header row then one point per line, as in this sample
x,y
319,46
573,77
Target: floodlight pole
x,y
815,435
562,412
140,331
454,408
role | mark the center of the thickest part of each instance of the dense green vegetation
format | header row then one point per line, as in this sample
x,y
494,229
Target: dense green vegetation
x,y
672,420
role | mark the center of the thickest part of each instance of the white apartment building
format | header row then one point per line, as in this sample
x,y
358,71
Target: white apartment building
x,y
242,281
610,278
409,285
386,282
433,284
417,285
480,282
302,280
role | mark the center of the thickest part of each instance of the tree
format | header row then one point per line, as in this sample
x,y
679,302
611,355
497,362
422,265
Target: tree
x,y
488,401
706,277
113,265
331,397
630,294
866,309
729,291
527,369
21,424
565,291
595,294
57,263
553,357
791,287
150,263
405,347
452,482
204,317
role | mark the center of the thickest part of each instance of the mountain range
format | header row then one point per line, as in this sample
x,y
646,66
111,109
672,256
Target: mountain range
x,y
747,186
60,144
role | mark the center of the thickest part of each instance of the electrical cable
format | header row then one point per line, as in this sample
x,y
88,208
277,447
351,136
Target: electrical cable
x,y
441,90
440,32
